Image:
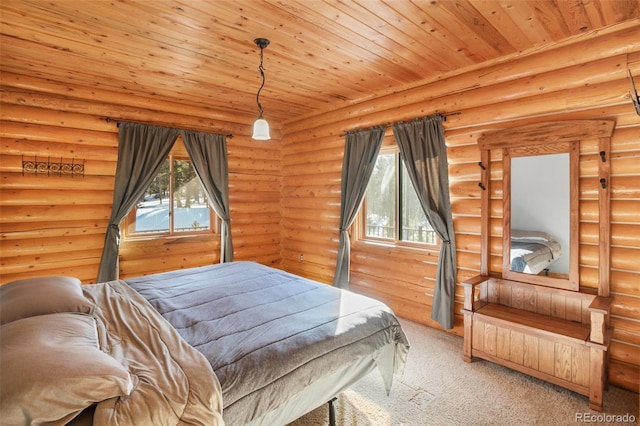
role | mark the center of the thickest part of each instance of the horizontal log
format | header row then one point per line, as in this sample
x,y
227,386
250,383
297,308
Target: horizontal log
x,y
471,261
44,197
466,207
52,263
325,191
257,165
34,84
463,154
625,282
316,168
465,189
334,178
236,149
621,187
12,214
464,171
292,255
328,249
18,181
313,271
307,144
143,248
626,306
624,375
41,133
622,211
148,112
627,235
135,268
405,291
304,231
86,272
392,266
260,255
624,163
42,246
57,228
46,149
467,225
52,117
248,182
256,206
252,198
330,205
309,214
328,154
625,139
622,258
625,330
465,242
293,229
620,351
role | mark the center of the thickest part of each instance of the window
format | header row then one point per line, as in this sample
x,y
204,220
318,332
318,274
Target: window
x,y
391,211
174,204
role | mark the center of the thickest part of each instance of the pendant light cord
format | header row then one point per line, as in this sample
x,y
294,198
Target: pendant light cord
x,y
261,69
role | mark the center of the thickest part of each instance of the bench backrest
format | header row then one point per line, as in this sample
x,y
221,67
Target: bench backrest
x,y
564,304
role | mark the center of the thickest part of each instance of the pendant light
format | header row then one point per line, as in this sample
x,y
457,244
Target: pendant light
x,y
261,127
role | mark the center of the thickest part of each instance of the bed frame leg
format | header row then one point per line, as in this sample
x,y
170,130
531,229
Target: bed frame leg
x,y
332,411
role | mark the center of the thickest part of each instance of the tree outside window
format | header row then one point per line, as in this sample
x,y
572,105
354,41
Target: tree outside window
x,y
392,211
175,203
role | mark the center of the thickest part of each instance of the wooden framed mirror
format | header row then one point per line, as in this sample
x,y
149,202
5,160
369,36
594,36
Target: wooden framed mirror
x,y
540,214
542,160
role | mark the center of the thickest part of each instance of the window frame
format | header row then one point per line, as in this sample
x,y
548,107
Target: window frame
x,y
359,228
130,220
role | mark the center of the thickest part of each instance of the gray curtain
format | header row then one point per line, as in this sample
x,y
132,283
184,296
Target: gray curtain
x,y
142,149
424,153
208,154
360,154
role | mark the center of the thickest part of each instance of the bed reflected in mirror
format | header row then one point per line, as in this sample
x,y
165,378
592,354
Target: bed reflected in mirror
x,y
540,215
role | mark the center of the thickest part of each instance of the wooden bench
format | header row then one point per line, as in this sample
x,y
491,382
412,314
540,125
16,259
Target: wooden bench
x,y
555,335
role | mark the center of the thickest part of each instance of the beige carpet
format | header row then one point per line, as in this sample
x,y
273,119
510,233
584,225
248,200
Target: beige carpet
x,y
438,388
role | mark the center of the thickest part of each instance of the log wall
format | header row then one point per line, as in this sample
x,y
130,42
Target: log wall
x,y
582,79
55,225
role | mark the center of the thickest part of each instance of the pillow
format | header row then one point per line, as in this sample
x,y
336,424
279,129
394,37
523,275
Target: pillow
x,y
41,296
51,369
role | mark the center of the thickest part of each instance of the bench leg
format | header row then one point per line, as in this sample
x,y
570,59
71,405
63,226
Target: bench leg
x,y
467,340
597,378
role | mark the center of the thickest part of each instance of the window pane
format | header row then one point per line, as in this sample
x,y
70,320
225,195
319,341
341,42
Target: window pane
x,y
381,199
152,212
415,226
191,209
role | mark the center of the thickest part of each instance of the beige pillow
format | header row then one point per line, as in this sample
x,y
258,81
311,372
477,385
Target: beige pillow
x,y
51,369
41,296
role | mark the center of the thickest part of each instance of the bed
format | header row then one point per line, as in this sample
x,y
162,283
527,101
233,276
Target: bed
x,y
533,251
237,343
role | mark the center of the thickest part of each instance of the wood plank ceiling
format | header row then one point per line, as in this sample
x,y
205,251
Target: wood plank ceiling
x,y
323,53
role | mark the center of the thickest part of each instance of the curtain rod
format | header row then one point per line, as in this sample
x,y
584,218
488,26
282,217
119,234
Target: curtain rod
x,y
113,120
444,116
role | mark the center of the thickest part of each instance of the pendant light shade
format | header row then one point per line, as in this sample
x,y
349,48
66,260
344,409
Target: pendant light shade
x,y
261,130
261,127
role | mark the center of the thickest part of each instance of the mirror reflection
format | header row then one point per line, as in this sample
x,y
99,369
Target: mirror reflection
x,y
540,214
